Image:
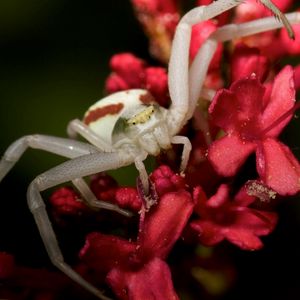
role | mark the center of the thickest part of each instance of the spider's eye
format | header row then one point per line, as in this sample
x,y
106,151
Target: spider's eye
x,y
141,117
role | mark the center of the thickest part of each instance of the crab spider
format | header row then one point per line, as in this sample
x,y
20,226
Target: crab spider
x,y
125,127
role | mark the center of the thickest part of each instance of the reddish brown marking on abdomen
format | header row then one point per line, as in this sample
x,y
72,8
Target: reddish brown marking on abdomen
x,y
147,98
100,112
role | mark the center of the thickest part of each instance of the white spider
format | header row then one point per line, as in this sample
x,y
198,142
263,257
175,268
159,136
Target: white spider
x,y
125,127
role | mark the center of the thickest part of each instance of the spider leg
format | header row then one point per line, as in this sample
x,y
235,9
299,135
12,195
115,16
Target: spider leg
x,y
140,166
226,33
70,170
180,110
184,95
187,147
64,147
234,31
93,202
78,127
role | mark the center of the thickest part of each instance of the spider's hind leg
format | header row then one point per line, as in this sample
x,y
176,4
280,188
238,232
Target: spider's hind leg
x,y
68,171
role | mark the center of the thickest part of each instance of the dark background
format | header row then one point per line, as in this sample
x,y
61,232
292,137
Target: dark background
x,y
53,62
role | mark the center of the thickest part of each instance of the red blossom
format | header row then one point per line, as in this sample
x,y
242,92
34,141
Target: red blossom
x,y
159,20
166,180
104,187
128,264
130,72
252,123
66,201
222,218
200,33
246,61
153,281
127,197
156,82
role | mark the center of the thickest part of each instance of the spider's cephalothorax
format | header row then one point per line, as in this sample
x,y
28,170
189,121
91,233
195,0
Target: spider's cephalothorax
x,y
125,127
130,117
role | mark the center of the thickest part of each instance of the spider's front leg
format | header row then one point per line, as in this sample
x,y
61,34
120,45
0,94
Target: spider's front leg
x,y
60,146
184,85
70,170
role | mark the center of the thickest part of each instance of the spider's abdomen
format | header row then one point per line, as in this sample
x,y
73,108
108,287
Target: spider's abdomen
x,y
112,114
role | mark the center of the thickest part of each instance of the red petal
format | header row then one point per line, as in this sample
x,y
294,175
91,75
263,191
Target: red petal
x,y
244,239
229,153
104,252
246,61
256,221
66,201
128,67
127,197
104,187
242,198
220,197
278,167
200,199
163,225
156,82
282,99
166,180
115,83
237,109
209,233
153,282
292,46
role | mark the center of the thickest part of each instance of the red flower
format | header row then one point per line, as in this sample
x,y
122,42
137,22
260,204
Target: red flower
x,y
131,72
246,61
252,122
104,187
159,20
136,269
153,281
66,201
222,218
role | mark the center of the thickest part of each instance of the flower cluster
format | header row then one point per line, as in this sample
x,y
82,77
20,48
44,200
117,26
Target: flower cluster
x,y
238,169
